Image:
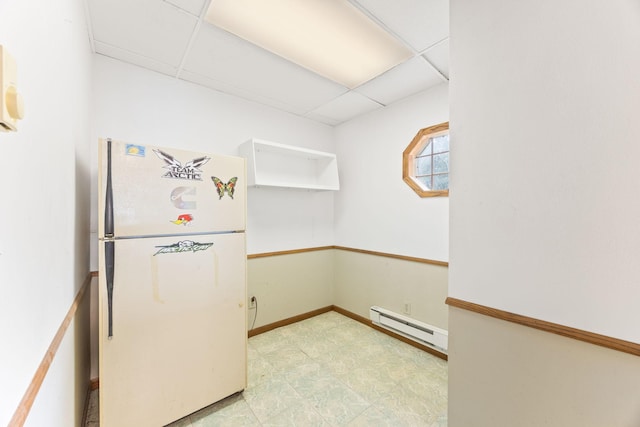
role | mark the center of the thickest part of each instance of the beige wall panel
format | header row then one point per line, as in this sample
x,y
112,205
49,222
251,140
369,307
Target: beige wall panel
x,y
289,285
504,374
363,280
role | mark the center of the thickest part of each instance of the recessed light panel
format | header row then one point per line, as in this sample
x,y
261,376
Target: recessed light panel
x,y
330,37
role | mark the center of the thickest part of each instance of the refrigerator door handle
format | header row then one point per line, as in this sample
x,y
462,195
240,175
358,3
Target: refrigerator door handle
x,y
109,255
108,204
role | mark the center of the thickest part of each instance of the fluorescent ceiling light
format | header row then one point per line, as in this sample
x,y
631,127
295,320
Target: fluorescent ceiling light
x,y
330,37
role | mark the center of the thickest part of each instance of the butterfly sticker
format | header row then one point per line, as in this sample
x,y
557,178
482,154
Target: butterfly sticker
x,y
221,187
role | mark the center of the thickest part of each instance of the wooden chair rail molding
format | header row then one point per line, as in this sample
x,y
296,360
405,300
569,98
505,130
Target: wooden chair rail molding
x,y
289,252
29,397
566,331
344,248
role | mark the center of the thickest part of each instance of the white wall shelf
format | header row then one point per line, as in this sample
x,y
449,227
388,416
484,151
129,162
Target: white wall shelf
x,y
270,164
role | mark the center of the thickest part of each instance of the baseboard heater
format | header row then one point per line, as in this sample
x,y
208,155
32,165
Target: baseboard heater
x,y
420,332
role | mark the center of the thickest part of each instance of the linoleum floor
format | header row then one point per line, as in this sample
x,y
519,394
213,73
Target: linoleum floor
x,y
328,370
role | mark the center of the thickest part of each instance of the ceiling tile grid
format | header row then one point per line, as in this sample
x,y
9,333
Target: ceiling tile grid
x,y
420,23
135,59
412,76
153,29
438,56
194,7
346,107
171,37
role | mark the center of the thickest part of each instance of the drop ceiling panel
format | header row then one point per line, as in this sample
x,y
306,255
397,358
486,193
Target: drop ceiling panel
x,y
223,57
240,92
420,23
132,58
151,28
192,6
412,76
438,55
170,37
346,107
322,119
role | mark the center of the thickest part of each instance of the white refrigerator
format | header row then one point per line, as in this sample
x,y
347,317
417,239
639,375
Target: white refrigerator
x,y
172,282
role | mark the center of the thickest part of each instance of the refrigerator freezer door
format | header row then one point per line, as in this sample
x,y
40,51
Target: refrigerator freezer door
x,y
179,328
163,191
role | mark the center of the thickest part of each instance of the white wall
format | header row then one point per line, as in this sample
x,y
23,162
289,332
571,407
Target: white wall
x,y
375,209
545,210
136,105
44,213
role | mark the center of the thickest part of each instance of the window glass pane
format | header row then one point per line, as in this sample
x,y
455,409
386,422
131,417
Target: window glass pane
x,y
426,150
441,182
441,143
441,163
425,181
423,165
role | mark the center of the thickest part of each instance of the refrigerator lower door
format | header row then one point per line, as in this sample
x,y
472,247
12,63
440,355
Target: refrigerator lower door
x,y
179,328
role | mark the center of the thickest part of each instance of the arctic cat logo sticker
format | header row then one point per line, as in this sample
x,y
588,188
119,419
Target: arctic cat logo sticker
x,y
183,246
183,219
189,171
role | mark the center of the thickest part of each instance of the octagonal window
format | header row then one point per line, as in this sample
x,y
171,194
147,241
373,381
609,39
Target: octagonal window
x,y
425,162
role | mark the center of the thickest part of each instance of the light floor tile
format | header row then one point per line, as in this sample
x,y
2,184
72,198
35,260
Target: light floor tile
x,y
338,404
271,397
258,371
415,410
269,341
286,358
232,411
375,416
369,382
297,416
315,346
252,353
328,371
310,379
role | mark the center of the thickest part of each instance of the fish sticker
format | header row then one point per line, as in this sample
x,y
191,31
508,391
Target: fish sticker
x,y
183,219
189,171
221,187
183,246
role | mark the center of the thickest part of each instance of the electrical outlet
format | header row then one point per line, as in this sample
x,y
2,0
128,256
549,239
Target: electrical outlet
x,y
252,302
407,308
